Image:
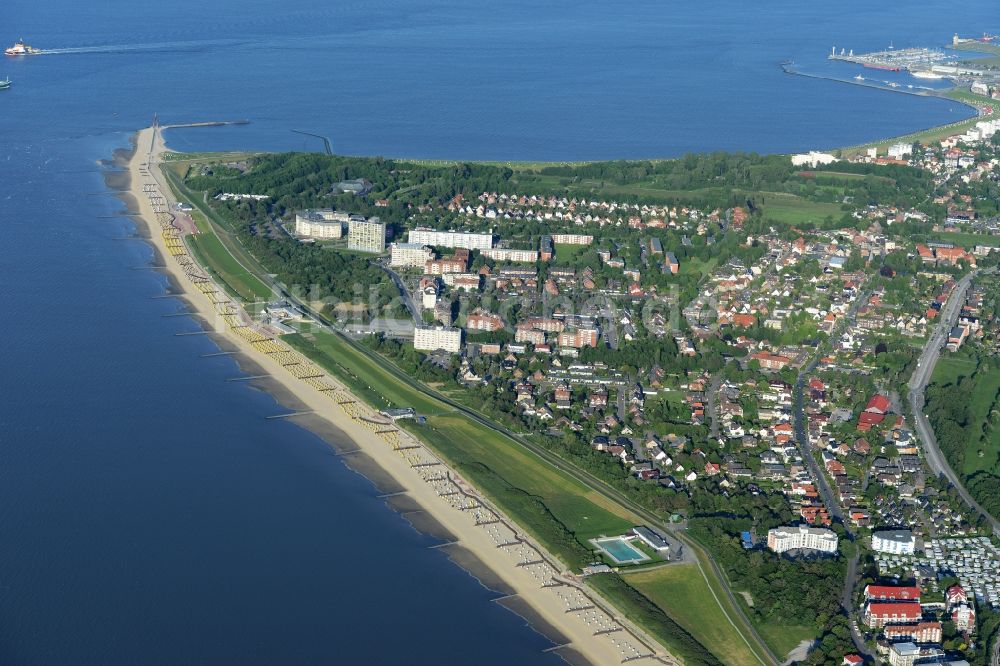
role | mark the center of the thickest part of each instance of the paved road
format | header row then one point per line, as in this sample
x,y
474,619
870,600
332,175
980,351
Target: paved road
x,y
711,405
847,602
404,293
918,383
805,448
801,423
995,652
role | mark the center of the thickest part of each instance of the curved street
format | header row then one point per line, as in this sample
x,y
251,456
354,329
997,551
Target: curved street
x,y
917,385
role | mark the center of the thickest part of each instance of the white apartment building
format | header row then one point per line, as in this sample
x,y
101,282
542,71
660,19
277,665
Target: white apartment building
x,y
897,542
517,256
409,255
320,223
366,235
432,338
572,239
899,151
468,240
782,539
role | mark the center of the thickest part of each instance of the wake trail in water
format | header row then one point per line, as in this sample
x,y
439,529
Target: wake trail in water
x,y
130,48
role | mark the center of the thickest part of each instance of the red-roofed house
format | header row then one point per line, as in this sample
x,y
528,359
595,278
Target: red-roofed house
x,y
879,404
869,420
770,361
955,595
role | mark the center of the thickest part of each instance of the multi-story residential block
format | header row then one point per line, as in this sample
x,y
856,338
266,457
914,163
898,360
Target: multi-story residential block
x,y
433,338
921,632
409,255
320,224
545,324
800,537
579,338
896,542
468,240
572,239
880,614
444,266
892,593
512,255
483,321
366,235
528,334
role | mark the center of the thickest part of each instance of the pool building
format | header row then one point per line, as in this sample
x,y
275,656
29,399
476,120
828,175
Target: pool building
x,y
654,539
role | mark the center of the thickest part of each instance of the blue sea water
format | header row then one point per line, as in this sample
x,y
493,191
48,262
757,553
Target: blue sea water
x,y
148,511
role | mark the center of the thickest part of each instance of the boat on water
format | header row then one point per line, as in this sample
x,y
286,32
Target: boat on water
x,y
859,78
4,84
20,49
925,74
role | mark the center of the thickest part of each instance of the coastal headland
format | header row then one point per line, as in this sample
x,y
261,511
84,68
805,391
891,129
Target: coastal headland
x,y
584,627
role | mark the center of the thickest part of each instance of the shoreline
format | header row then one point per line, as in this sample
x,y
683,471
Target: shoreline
x,y
435,500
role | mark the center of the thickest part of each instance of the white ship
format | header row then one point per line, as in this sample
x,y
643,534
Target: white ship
x,y
925,74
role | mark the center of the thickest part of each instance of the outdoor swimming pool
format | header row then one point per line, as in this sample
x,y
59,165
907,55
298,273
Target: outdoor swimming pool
x,y
620,550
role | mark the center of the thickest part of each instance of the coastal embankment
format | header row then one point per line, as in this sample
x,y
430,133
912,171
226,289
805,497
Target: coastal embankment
x,y
426,491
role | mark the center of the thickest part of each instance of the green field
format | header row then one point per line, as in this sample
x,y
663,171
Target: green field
x,y
682,593
981,401
211,252
793,209
952,367
367,379
785,639
568,254
967,240
584,512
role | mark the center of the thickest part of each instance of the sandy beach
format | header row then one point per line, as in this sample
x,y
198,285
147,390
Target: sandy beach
x,y
535,583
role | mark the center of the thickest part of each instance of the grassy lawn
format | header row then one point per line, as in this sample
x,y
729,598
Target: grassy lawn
x,y
366,379
968,240
567,253
211,251
583,511
980,405
785,639
950,368
792,209
683,594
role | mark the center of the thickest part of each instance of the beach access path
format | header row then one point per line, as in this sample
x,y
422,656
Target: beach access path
x,y
589,626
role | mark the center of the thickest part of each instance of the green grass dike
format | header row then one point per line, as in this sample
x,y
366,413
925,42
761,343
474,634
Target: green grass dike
x,y
555,508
